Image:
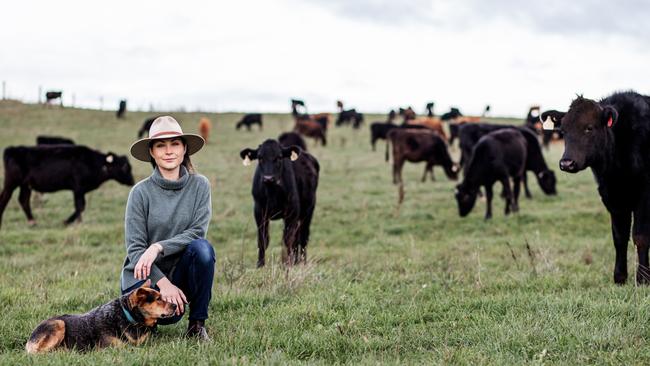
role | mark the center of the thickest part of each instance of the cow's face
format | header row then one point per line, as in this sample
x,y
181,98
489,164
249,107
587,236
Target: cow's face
x,y
118,168
271,158
546,179
585,127
466,199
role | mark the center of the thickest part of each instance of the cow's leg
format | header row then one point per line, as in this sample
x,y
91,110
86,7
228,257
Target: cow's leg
x,y
516,188
507,193
488,201
524,179
621,233
79,207
304,234
398,164
373,142
6,195
23,198
641,237
289,237
262,222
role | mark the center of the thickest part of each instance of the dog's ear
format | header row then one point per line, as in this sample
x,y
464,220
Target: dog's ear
x,y
140,296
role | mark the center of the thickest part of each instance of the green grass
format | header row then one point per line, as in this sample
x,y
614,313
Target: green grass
x,y
414,285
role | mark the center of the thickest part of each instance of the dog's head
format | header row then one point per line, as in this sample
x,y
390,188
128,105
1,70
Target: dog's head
x,y
148,303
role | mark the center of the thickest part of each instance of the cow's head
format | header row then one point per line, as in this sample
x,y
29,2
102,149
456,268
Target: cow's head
x,y
466,199
585,127
272,158
117,167
546,179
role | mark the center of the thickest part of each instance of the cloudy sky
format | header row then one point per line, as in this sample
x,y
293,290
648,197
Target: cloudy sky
x,y
373,54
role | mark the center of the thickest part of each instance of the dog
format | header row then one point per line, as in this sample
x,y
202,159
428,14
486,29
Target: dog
x,y
127,319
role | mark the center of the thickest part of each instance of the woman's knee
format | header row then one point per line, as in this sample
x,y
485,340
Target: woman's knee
x,y
202,250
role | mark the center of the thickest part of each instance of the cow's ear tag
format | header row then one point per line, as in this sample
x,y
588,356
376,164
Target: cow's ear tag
x,y
109,158
548,124
247,161
294,156
610,121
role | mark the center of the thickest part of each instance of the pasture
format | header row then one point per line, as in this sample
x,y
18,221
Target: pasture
x,y
382,285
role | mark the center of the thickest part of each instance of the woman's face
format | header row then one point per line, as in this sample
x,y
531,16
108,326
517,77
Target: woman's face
x,y
168,153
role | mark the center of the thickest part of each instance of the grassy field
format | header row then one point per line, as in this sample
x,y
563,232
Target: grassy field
x,y
418,285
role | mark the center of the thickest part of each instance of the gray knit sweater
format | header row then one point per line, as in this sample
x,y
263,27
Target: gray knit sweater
x,y
171,213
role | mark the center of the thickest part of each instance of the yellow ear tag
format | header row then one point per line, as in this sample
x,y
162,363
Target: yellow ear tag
x,y
548,124
247,161
294,156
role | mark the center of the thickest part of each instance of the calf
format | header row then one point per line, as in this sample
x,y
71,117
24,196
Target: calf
x,y
612,137
204,128
470,134
53,140
288,139
249,120
284,187
416,145
498,156
59,167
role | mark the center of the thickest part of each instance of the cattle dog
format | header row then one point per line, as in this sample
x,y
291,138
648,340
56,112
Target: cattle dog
x,y
127,319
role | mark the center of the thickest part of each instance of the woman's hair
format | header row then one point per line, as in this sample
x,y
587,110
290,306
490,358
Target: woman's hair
x,y
187,163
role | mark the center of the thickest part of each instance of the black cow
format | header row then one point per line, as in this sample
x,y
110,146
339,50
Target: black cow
x,y
452,114
146,125
121,110
288,139
59,167
498,156
52,95
284,187
249,120
350,116
470,134
612,137
53,140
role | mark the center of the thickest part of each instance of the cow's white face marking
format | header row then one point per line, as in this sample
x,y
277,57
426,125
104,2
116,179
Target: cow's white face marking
x,y
548,124
247,161
109,158
294,156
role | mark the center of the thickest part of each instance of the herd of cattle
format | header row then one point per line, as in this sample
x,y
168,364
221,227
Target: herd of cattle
x,y
610,136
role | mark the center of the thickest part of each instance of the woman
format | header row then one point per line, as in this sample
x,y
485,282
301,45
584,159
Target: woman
x,y
166,222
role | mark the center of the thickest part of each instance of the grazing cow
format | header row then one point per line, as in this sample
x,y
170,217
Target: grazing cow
x,y
432,123
249,120
416,145
284,187
121,111
452,114
498,156
53,95
59,167
470,134
288,139
407,114
53,140
146,125
612,137
311,129
349,116
204,128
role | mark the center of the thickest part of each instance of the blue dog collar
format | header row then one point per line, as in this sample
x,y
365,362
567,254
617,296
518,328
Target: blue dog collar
x,y
128,315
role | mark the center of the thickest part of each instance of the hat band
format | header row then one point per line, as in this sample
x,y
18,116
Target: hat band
x,y
165,133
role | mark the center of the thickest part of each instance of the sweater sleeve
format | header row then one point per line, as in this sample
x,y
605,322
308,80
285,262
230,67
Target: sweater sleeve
x,y
135,232
198,228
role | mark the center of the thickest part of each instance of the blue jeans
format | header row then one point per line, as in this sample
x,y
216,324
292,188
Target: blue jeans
x,y
194,274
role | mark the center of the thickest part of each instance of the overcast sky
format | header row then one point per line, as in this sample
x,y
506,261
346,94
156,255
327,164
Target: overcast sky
x,y
373,54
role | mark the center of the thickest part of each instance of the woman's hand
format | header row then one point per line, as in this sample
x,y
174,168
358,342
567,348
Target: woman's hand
x,y
173,294
142,269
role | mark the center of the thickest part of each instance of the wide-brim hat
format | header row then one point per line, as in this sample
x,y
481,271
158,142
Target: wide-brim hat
x,y
165,127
